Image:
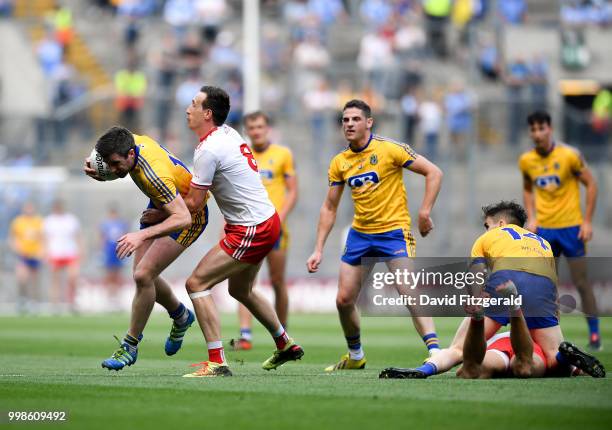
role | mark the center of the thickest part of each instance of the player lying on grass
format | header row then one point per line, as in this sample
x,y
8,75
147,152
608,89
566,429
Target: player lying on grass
x,y
514,254
164,179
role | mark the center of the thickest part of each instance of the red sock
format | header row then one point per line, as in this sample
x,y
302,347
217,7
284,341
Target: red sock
x,y
215,352
281,341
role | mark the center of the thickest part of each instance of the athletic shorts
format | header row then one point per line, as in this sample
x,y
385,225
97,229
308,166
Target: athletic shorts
x,y
501,344
564,241
539,298
189,235
388,245
251,244
62,262
283,240
32,263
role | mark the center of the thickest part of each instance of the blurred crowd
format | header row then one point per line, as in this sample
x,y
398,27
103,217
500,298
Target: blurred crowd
x,y
315,55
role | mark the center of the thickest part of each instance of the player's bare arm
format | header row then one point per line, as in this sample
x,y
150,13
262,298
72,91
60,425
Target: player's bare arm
x,y
588,180
327,217
178,218
196,198
529,201
433,182
290,198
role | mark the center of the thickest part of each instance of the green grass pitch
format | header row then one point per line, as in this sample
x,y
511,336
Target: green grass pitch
x,y
51,364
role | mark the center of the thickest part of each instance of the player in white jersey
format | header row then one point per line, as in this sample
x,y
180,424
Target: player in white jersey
x,y
63,248
224,164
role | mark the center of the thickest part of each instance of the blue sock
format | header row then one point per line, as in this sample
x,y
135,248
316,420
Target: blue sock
x,y
593,326
245,333
428,368
178,312
431,341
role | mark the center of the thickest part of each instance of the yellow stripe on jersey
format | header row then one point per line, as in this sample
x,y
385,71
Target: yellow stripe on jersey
x,y
158,173
555,181
513,248
275,164
375,176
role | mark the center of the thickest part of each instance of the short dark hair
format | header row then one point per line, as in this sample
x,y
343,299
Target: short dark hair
x,y
218,101
512,212
255,115
359,104
539,117
117,140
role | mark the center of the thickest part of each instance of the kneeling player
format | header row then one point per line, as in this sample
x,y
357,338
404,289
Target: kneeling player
x,y
164,179
517,255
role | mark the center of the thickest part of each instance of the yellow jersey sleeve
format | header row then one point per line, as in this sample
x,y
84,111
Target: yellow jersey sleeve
x,y
522,165
334,174
288,166
158,181
402,154
478,253
576,161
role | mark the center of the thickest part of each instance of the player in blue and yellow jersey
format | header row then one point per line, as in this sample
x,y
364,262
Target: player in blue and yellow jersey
x,y
275,164
26,240
372,166
164,179
552,174
519,264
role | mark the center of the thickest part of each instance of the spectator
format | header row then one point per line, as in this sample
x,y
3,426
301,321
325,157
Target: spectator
x,y
62,232
130,89
49,52
437,14
517,77
538,83
310,58
409,40
165,63
319,103
224,57
602,112
26,241
489,62
62,23
210,15
6,8
375,59
111,229
458,105
375,13
179,14
430,123
513,11
409,107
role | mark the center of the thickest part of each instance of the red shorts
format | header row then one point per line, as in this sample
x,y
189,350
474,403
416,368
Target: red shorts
x,y
503,345
251,244
61,262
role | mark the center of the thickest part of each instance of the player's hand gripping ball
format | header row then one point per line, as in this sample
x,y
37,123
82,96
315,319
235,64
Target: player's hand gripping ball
x,y
97,163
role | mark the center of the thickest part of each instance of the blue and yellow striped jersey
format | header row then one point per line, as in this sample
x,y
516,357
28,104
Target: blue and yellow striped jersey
x,y
555,179
375,176
158,173
511,247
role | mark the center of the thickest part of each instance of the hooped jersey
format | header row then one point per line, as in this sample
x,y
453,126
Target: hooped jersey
x,y
514,248
159,174
275,164
375,177
224,164
555,180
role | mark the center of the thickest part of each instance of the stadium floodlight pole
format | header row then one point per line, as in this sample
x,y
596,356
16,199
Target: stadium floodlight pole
x,y
251,65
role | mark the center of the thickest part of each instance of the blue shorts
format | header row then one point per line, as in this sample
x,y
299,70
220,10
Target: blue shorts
x,y
388,245
111,261
539,295
32,263
564,241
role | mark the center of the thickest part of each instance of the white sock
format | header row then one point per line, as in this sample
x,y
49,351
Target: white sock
x,y
356,354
